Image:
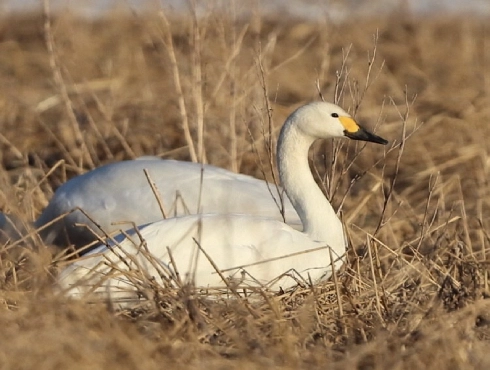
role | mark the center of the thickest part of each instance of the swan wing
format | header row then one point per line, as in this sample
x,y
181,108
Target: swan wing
x,y
248,251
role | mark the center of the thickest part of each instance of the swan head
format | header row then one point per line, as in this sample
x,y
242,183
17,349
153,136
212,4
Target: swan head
x,y
322,120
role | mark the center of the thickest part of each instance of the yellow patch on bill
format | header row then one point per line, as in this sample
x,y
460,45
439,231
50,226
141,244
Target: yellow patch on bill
x,y
349,124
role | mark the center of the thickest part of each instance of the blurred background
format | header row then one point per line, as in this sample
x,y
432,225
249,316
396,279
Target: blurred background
x,y
308,9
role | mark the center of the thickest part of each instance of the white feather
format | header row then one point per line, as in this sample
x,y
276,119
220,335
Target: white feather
x,y
120,192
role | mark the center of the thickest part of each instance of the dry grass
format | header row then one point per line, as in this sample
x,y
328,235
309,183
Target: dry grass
x,y
76,94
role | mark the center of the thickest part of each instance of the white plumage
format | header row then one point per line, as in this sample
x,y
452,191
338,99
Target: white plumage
x,y
249,250
120,192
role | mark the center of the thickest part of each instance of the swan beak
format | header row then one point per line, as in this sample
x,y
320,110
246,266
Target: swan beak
x,y
356,132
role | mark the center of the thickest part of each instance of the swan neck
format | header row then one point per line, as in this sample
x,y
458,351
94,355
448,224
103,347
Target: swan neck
x,y
319,219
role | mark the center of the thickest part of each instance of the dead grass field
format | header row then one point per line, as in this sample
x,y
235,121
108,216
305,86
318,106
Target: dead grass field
x,y
75,94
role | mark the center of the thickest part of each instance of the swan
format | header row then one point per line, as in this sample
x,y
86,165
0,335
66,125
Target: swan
x,y
248,250
118,195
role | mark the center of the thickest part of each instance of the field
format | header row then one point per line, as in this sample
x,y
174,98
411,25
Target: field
x,y
75,94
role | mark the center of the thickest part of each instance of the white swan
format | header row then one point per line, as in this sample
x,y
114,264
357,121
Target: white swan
x,y
120,192
249,250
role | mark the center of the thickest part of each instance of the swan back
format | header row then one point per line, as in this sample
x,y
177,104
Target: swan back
x,y
120,192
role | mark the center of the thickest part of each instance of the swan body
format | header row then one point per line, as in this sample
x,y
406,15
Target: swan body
x,y
118,195
253,239
248,250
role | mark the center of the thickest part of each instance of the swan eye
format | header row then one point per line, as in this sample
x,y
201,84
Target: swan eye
x,y
335,115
